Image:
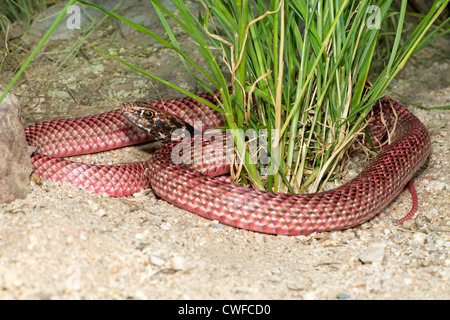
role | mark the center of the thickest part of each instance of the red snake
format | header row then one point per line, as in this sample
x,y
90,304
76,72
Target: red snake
x,y
216,198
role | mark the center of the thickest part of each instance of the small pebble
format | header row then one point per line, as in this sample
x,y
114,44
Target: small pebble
x,y
139,194
177,263
373,253
436,186
139,236
408,281
419,238
101,213
343,295
157,261
166,226
70,239
92,205
432,213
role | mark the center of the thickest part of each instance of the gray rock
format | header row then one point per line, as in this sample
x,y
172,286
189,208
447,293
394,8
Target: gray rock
x,y
15,164
343,295
140,12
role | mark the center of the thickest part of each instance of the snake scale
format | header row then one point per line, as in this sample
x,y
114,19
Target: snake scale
x,y
198,188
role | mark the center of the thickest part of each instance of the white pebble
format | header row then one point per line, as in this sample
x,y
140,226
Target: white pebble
x,y
436,186
139,236
70,239
93,205
157,261
419,238
100,213
373,253
178,263
166,226
408,281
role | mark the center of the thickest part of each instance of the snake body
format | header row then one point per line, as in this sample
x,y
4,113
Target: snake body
x,y
197,189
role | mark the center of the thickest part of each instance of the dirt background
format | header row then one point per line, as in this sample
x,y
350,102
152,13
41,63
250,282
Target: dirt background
x,y
65,243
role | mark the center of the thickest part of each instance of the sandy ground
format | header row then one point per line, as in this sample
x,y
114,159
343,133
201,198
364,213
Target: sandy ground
x,y
65,243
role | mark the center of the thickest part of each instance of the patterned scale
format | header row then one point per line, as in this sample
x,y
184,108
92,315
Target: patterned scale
x,y
67,137
301,214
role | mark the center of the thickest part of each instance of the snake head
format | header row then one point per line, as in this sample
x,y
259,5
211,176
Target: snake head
x,y
154,121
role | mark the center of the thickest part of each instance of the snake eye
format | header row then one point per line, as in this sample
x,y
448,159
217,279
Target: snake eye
x,y
149,114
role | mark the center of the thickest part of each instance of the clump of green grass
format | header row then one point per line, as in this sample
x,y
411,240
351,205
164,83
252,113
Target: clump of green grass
x,y
303,65
21,11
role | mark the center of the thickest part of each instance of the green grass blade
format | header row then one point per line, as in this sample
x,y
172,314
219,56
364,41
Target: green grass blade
x,y
44,39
